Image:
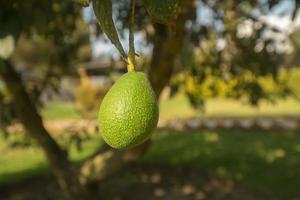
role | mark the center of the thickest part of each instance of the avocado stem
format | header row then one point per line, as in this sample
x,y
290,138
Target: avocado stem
x,y
131,56
130,65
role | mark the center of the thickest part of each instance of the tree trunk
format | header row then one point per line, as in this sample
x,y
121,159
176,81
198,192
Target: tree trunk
x,y
163,57
28,115
109,161
167,45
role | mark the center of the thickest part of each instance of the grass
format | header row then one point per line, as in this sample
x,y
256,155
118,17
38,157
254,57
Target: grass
x,y
18,163
262,160
227,108
179,107
60,110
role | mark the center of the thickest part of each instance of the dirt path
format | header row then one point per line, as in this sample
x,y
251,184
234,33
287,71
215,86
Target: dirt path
x,y
91,126
266,123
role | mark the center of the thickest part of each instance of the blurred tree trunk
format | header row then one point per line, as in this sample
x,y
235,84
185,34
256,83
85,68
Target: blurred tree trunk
x,y
28,115
167,45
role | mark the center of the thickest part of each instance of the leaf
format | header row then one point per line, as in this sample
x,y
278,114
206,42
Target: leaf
x,y
162,11
103,12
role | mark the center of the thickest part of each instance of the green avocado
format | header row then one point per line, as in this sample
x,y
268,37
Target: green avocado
x,y
129,111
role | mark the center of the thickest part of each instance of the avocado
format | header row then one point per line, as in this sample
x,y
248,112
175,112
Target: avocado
x,y
129,111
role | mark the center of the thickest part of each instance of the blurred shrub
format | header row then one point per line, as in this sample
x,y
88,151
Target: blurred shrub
x,y
269,87
294,80
7,113
88,96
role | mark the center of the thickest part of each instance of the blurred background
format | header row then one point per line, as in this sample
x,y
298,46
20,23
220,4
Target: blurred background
x,y
227,77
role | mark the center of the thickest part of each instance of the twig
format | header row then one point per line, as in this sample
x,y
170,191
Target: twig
x,y
131,54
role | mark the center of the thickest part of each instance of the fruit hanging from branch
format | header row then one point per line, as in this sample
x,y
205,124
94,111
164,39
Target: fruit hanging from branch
x,y
129,111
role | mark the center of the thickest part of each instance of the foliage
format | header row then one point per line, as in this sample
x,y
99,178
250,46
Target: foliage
x,y
103,12
226,60
88,96
162,11
221,54
6,110
53,20
294,80
261,87
49,37
296,44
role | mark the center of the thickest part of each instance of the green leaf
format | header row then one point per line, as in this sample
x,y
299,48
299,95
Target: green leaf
x,y
103,12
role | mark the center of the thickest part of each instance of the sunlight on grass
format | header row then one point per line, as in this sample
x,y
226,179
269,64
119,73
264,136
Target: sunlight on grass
x,y
232,108
20,163
178,107
60,110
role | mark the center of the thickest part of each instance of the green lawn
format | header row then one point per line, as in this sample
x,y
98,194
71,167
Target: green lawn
x,y
169,109
267,162
60,110
21,162
262,160
179,107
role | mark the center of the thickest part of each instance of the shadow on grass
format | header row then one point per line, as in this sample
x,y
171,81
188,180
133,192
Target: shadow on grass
x,y
10,178
265,161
